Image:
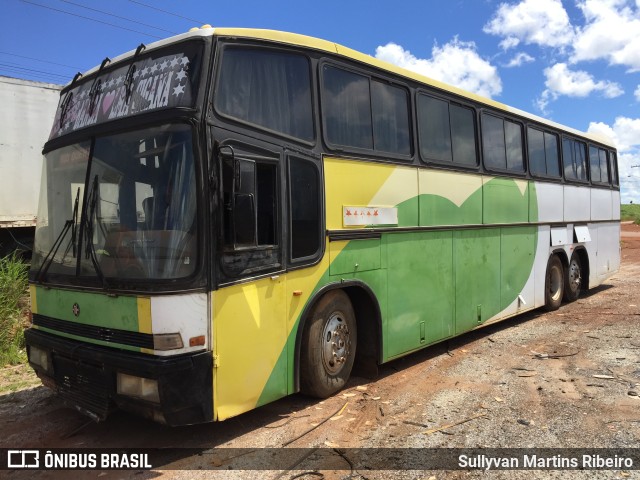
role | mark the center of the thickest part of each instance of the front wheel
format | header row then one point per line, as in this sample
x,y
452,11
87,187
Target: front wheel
x,y
554,284
328,347
573,279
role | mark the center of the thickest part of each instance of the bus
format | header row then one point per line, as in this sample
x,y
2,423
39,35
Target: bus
x,y
230,216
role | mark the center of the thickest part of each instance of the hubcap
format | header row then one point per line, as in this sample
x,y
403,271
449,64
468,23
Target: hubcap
x,y
575,277
336,343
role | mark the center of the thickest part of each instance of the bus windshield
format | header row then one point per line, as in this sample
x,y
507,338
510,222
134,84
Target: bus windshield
x,y
119,207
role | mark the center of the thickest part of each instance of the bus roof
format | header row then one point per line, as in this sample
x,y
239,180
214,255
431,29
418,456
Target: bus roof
x,y
295,39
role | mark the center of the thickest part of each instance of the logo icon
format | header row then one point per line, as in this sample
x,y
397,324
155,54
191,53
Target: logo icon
x,y
76,309
23,459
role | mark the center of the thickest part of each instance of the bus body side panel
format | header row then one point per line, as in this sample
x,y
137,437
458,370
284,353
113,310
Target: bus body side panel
x,y
608,250
615,204
430,284
577,204
601,208
443,282
549,202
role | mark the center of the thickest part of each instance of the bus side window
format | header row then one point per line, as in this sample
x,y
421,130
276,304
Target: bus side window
x,y
446,131
543,153
502,144
250,213
346,104
304,208
250,199
574,158
614,168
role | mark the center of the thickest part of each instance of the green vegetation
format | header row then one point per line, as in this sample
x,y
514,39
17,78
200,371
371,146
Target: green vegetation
x,y
630,212
13,309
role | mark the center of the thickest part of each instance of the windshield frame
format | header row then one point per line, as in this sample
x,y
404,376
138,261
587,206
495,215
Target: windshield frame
x,y
197,280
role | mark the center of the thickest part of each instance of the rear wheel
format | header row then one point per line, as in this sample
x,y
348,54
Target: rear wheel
x,y
328,346
554,284
573,279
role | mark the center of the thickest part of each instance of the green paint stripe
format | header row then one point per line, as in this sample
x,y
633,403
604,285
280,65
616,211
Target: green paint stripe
x,y
96,309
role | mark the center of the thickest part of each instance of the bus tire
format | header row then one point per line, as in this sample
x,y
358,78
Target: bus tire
x,y
553,284
328,346
573,279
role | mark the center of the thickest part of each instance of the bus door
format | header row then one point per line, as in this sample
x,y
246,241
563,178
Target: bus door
x,y
249,310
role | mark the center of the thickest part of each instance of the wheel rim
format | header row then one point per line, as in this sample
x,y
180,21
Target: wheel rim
x,y
555,283
575,276
336,343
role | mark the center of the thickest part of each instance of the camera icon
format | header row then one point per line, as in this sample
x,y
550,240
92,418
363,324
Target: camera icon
x,y
23,459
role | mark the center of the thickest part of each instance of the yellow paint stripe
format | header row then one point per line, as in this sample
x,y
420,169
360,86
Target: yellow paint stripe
x,y
349,182
144,319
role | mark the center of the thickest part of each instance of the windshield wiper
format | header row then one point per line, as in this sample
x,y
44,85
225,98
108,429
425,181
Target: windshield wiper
x,y
68,225
92,202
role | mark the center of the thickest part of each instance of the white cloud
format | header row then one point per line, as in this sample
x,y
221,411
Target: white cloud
x,y
625,132
611,29
611,32
541,22
577,83
520,59
637,92
560,80
456,63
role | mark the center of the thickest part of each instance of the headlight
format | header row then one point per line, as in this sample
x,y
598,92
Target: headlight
x,y
139,387
167,341
39,357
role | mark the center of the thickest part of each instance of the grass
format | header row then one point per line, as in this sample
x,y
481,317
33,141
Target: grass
x,y
14,307
630,212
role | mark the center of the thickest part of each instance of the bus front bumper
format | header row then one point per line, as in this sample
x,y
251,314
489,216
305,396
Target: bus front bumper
x,y
86,376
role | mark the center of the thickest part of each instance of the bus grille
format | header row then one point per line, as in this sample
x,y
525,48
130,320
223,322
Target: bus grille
x,y
111,335
85,387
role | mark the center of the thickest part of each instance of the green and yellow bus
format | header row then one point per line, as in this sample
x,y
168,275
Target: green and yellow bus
x,y
230,216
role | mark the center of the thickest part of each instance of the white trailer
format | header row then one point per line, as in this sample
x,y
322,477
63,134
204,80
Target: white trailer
x,y
27,109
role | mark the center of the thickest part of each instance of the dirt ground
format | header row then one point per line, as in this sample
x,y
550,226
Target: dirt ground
x,y
569,378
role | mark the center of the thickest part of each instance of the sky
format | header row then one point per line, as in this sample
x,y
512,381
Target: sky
x,y
576,62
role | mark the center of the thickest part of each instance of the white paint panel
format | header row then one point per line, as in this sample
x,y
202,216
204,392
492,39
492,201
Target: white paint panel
x,y
550,202
608,249
592,250
615,205
601,204
582,234
559,236
577,204
540,263
184,314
